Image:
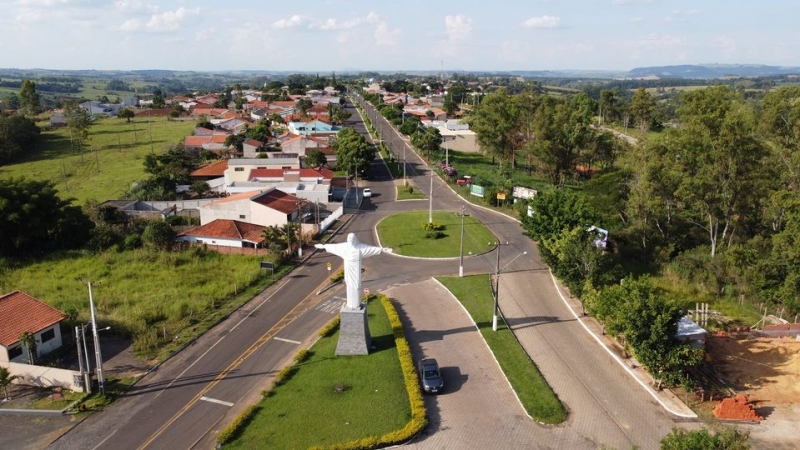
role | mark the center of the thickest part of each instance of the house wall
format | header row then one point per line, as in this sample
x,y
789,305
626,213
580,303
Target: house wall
x,y
46,376
261,215
42,348
236,210
221,242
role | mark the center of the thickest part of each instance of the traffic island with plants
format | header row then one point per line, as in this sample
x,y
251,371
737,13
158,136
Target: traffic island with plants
x,y
351,402
536,396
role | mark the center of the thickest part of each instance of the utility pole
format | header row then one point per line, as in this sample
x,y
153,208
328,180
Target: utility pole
x,y
98,355
430,202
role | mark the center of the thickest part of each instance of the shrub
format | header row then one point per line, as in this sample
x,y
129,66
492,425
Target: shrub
x,y
338,276
410,189
433,226
330,328
434,235
238,424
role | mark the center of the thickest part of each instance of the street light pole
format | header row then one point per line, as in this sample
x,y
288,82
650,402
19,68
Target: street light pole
x,y
98,355
497,284
461,252
430,202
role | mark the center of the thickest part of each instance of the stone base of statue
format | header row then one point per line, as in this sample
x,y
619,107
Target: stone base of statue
x,y
354,338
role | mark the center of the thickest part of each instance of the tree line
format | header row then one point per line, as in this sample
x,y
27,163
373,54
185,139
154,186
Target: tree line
x,y
711,201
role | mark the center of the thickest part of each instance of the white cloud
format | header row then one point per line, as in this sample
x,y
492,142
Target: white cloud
x,y
635,19
134,6
654,40
629,2
170,20
459,27
131,25
694,11
333,24
542,22
386,37
290,22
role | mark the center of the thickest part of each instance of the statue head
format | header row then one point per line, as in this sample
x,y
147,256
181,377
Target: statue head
x,y
352,239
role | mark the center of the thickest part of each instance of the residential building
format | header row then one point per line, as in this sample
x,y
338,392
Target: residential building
x,y
268,207
226,233
20,313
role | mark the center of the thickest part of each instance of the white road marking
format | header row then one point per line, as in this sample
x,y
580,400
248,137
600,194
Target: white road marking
x,y
286,340
219,402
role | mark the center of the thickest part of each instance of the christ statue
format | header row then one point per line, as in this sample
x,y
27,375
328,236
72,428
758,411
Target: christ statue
x,y
352,252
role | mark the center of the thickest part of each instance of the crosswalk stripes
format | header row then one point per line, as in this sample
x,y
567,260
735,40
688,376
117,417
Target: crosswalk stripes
x,y
331,306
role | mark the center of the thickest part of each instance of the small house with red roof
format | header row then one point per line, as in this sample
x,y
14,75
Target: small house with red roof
x,y
226,233
20,313
210,171
266,207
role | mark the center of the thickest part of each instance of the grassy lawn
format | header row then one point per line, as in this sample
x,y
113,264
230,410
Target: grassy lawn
x,y
535,394
160,299
111,162
307,410
409,193
404,233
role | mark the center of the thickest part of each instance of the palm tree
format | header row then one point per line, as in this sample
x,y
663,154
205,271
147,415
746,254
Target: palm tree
x,y
273,237
6,379
29,341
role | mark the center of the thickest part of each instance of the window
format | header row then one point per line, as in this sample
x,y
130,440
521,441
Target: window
x,y
14,352
238,169
241,216
48,335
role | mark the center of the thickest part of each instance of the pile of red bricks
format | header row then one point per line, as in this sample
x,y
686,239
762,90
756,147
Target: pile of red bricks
x,y
737,408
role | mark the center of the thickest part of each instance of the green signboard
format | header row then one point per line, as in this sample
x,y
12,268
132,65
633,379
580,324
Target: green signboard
x,y
478,191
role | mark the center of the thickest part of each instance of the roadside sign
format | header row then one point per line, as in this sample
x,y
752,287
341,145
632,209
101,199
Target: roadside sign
x,y
267,265
501,195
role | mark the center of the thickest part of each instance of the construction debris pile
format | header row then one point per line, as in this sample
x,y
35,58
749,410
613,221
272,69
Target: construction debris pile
x,y
737,408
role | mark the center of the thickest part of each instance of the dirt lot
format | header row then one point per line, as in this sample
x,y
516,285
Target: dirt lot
x,y
768,370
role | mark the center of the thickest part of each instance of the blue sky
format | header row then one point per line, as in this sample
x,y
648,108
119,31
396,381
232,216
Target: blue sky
x,y
327,35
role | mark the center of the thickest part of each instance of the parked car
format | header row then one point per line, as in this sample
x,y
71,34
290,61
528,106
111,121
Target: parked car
x,y
430,377
367,192
464,181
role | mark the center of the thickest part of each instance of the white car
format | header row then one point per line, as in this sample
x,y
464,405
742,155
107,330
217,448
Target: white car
x,y
367,192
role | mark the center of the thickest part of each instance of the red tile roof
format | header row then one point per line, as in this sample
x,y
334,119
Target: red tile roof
x,y
198,141
254,143
19,312
278,200
229,229
216,168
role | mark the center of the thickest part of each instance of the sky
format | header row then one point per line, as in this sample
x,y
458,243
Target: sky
x,y
346,35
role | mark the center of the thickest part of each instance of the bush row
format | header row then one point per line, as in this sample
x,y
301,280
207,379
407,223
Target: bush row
x,y
232,430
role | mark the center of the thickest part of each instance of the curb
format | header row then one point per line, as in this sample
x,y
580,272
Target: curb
x,y
615,357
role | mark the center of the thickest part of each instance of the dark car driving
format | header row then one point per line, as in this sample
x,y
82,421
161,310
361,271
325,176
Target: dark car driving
x,y
430,377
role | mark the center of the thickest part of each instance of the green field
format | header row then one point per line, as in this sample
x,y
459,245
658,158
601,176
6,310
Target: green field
x,y
162,299
111,160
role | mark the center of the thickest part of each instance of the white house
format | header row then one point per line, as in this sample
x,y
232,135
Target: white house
x,y
312,127
269,207
96,108
20,313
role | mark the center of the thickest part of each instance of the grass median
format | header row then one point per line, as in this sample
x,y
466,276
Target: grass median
x,y
534,393
331,400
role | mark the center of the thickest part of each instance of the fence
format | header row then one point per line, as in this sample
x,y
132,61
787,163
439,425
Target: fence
x,y
43,376
330,219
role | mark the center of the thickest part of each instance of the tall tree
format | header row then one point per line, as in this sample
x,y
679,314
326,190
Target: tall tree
x,y
78,121
353,152
494,121
643,108
29,101
315,158
18,134
428,140
36,219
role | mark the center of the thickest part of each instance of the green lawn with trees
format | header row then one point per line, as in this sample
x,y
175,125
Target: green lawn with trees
x,y
112,158
410,234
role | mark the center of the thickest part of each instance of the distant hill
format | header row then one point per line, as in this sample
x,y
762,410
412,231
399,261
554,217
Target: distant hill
x,y
711,71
